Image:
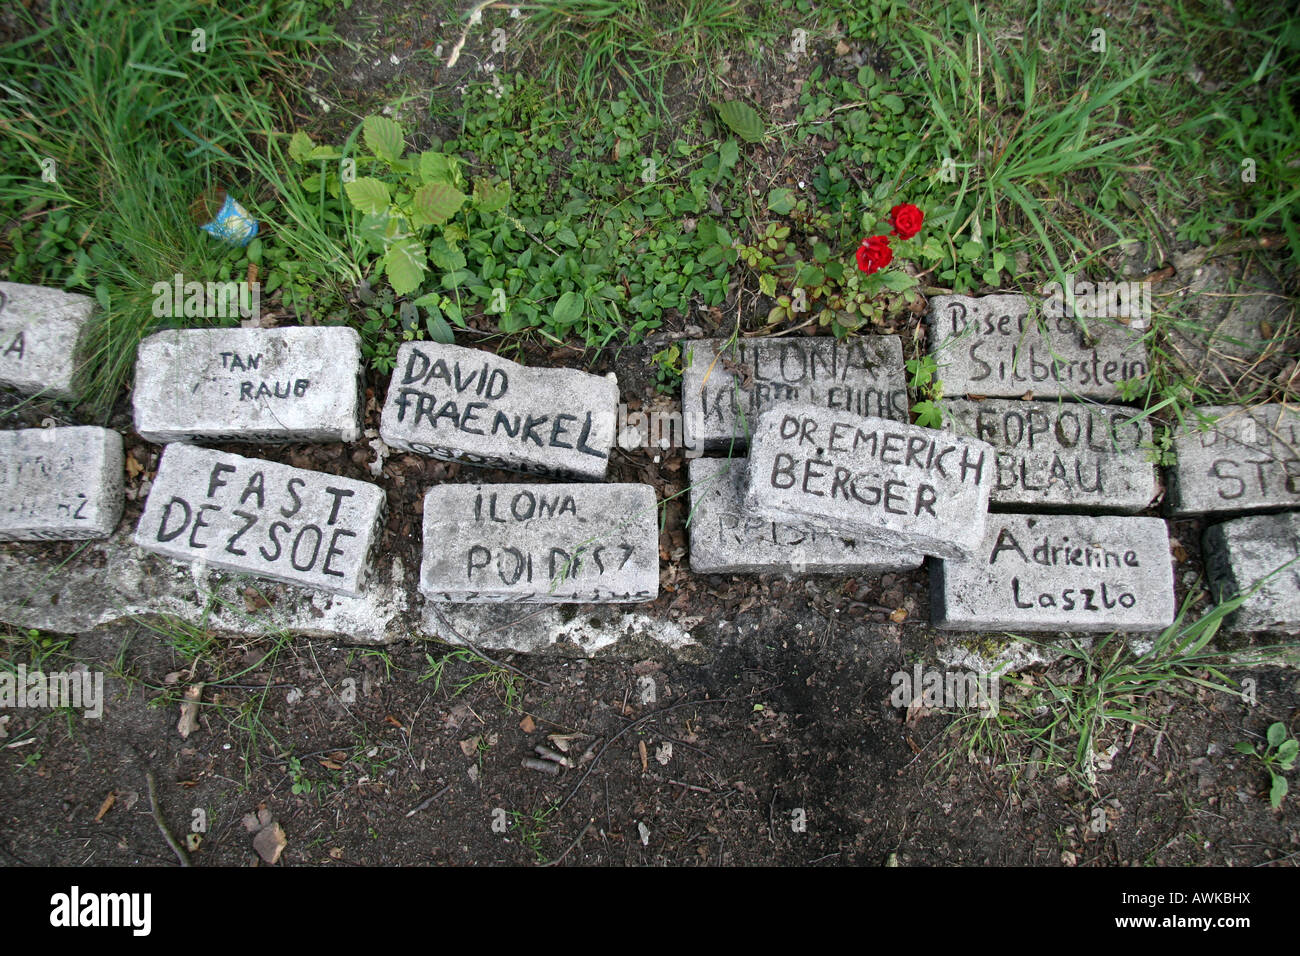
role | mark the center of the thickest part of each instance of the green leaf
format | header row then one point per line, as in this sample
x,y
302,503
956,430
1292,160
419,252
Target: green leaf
x,y
326,152
1287,753
489,197
1244,748
404,265
437,168
928,414
383,137
1278,791
444,257
567,309
567,236
971,251
743,120
781,201
1276,733
767,284
435,203
728,155
896,281
892,102
438,328
369,195
300,147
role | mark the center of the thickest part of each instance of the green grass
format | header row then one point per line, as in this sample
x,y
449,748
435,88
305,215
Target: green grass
x,y
1056,726
590,49
117,97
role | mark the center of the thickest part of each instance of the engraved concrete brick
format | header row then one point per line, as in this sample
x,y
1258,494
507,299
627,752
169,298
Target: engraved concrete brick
x,y
249,385
60,483
462,404
726,538
887,482
1249,460
990,346
1263,550
1059,573
1061,455
722,397
543,543
42,332
262,518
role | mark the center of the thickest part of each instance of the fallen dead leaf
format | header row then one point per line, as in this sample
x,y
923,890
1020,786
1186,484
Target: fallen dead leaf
x,y
336,853
106,805
527,725
470,746
645,761
915,711
189,721
899,615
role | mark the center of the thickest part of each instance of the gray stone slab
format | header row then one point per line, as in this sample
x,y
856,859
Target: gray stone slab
x,y
1059,573
1249,460
990,346
1261,550
543,543
42,332
249,385
893,484
1061,455
60,483
722,397
262,518
462,404
727,538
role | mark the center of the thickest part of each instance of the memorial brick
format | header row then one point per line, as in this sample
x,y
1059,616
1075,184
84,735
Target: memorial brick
x,y
542,543
1249,460
60,483
887,482
1246,551
262,518
249,385
42,333
991,346
1061,455
727,538
725,388
1059,573
462,404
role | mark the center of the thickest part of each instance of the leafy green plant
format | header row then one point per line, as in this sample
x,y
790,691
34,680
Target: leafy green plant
x,y
531,827
928,389
505,683
1278,755
302,784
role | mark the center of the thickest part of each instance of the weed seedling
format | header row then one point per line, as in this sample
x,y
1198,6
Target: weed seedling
x,y
1279,755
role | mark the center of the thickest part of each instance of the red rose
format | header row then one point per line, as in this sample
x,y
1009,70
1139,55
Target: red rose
x,y
874,254
906,220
